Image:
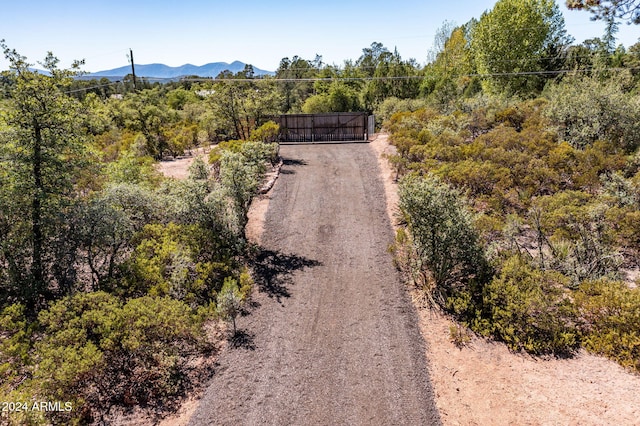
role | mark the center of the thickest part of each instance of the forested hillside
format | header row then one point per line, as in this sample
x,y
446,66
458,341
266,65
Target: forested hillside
x,y
517,156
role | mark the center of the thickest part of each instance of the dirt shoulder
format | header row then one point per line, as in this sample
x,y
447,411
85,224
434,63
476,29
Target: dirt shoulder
x,y
484,383
332,337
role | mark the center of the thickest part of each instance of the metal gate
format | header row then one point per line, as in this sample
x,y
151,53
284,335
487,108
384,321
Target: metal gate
x,y
332,127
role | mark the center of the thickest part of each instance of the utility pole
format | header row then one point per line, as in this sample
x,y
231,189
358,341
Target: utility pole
x,y
133,70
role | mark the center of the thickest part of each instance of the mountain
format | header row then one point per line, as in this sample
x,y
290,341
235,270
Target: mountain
x,y
162,71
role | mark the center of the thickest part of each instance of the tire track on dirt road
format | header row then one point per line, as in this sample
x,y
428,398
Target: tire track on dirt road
x,y
333,337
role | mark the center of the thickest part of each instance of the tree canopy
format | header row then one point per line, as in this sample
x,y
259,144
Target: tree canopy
x,y
42,152
628,10
511,43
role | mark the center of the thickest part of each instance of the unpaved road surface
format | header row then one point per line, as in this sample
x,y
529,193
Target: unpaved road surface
x,y
332,337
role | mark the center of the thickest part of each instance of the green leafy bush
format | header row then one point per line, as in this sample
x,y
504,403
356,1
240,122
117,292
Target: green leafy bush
x,y
241,174
266,133
390,106
105,224
529,309
97,352
15,346
198,170
240,167
573,227
441,227
588,109
610,320
229,301
133,169
167,262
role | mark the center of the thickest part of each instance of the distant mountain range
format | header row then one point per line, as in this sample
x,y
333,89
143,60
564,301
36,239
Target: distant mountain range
x,y
162,71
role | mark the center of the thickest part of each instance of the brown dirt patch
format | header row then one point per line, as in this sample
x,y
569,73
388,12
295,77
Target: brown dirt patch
x,y
484,383
178,167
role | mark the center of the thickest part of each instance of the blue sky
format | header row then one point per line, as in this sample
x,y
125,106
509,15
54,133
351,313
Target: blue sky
x,y
256,32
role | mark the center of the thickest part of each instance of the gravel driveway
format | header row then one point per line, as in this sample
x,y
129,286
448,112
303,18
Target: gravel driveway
x,y
332,337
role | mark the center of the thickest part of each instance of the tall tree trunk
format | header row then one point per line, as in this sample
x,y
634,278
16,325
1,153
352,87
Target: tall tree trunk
x,y
37,269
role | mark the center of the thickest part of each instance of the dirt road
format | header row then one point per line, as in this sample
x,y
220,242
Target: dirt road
x,y
332,337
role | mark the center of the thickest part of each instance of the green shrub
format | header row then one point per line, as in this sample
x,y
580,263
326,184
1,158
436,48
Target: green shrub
x,y
227,146
133,169
573,226
268,132
610,320
587,109
459,335
529,309
241,174
389,106
229,301
15,346
240,167
104,225
167,261
198,170
97,352
446,243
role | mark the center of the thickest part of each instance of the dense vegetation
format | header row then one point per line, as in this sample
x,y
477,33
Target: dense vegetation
x,y
520,199
108,271
517,154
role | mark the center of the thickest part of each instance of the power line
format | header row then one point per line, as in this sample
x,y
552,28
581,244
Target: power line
x,y
93,87
348,79
113,83
407,77
564,57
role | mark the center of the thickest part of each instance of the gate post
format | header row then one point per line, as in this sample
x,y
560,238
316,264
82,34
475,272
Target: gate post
x,y
313,129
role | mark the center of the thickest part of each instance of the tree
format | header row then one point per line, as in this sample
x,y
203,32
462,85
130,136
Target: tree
x,y
241,166
146,112
391,76
105,225
180,137
586,109
41,158
440,40
510,42
371,57
608,9
339,98
447,76
241,106
229,302
178,98
294,93
240,179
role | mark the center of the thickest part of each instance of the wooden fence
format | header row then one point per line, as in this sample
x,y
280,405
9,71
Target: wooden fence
x,y
342,126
